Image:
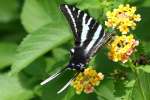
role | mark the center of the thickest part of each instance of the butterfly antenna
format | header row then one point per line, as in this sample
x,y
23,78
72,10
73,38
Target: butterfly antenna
x,y
54,76
68,83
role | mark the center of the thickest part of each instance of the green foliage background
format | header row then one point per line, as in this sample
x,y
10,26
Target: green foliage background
x,y
34,42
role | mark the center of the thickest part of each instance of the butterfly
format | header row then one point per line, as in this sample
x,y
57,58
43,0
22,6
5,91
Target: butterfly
x,y
89,37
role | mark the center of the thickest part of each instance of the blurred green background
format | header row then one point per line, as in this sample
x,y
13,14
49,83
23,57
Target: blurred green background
x,y
35,39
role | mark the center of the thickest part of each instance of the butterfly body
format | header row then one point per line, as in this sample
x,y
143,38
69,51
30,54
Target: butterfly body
x,y
78,59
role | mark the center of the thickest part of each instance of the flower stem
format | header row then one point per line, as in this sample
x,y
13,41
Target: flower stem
x,y
136,72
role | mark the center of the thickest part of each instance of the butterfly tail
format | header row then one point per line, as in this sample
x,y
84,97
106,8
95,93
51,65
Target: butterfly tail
x,y
54,76
68,83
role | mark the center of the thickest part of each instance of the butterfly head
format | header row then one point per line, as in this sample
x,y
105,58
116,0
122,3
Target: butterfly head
x,y
79,66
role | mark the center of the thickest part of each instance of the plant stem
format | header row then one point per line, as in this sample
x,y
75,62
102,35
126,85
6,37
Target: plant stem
x,y
133,68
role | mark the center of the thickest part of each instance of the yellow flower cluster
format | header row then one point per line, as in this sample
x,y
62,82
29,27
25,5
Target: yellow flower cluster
x,y
86,81
122,47
123,18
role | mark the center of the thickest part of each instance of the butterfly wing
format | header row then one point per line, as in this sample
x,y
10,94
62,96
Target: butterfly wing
x,y
96,44
81,23
89,34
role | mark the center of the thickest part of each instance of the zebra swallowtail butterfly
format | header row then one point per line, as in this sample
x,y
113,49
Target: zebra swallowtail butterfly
x,y
89,36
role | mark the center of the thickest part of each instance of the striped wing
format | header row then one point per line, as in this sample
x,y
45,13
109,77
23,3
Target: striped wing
x,y
88,33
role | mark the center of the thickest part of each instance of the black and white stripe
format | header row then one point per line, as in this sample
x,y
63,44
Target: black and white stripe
x,y
88,33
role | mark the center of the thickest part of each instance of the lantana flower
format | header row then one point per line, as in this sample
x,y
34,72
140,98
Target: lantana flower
x,y
86,81
122,47
123,18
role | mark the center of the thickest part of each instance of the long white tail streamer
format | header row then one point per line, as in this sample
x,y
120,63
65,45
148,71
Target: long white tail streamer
x,y
68,83
53,76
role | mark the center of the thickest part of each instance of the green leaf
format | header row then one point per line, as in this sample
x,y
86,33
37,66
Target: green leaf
x,y
143,27
11,89
43,12
88,4
62,53
70,93
39,43
146,3
105,90
146,47
123,89
129,85
72,1
145,68
47,35
8,10
141,87
132,1
103,64
55,61
7,52
39,66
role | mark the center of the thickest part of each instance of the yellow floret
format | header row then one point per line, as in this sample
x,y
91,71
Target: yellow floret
x,y
123,18
86,81
122,47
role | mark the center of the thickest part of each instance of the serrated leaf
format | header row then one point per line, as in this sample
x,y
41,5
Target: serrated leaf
x,y
141,87
7,52
37,44
11,89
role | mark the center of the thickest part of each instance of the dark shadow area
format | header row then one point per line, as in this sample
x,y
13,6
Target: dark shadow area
x,y
143,28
